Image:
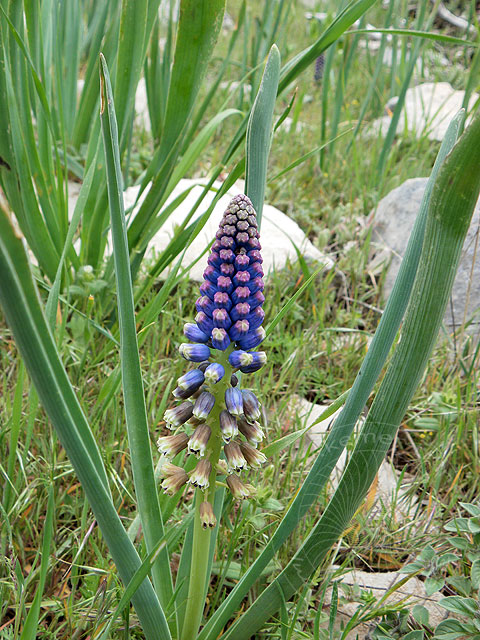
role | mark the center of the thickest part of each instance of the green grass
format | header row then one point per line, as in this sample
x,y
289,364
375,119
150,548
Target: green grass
x,y
315,352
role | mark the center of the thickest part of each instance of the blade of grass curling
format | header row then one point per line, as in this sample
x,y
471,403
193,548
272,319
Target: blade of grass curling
x,y
358,396
451,206
135,411
23,312
259,133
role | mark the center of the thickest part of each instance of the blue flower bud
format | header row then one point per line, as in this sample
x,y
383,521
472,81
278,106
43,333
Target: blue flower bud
x,y
204,323
239,311
259,358
214,373
240,359
220,339
240,294
239,330
252,339
203,405
194,352
221,319
191,381
205,304
193,333
221,300
234,401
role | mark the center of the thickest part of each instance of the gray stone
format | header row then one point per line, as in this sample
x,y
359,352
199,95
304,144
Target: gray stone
x,y
393,223
427,111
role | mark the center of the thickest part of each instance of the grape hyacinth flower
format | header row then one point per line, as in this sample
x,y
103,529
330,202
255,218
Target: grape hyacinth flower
x,y
216,419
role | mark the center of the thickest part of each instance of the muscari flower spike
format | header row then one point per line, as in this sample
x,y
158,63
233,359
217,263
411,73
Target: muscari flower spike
x,y
214,411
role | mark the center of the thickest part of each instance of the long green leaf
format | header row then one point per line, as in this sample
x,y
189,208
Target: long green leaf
x,y
259,133
356,400
198,28
23,311
342,22
133,393
451,207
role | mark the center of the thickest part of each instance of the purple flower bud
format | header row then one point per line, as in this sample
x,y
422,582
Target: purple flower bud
x,y
234,401
207,517
208,289
227,255
252,339
251,406
256,270
203,405
239,330
205,304
227,270
227,243
233,380
255,256
239,311
199,440
214,259
224,284
193,333
242,238
240,294
222,300
211,274
241,278
234,456
221,319
240,359
256,284
194,352
256,300
214,373
204,323
220,339
178,415
191,381
228,426
259,358
182,394
256,317
201,474
241,261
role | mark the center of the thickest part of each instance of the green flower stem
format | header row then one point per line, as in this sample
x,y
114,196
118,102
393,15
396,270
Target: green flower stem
x,y
197,588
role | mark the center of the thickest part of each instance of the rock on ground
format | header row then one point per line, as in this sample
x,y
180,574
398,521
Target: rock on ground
x,y
393,223
428,110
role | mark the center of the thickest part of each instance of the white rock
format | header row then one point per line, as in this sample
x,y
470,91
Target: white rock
x,y
428,110
279,233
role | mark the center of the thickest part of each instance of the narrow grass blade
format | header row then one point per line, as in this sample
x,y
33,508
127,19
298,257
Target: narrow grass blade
x,y
14,433
342,22
133,393
358,396
21,305
259,133
451,207
30,628
427,35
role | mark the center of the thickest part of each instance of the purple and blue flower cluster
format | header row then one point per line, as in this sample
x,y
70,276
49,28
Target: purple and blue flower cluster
x,y
227,329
